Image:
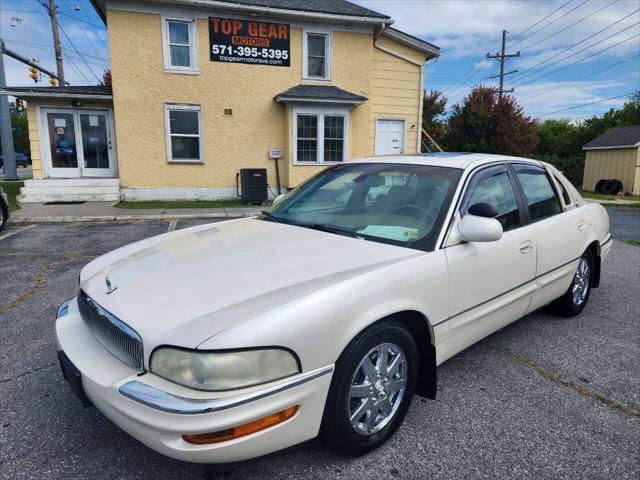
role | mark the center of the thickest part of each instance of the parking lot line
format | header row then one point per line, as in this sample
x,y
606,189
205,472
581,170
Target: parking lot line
x,y
629,412
17,230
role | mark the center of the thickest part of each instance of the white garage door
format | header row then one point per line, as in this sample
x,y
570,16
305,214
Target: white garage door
x,y
389,137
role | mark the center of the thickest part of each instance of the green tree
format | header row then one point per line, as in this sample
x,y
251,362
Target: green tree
x,y
20,130
433,107
487,124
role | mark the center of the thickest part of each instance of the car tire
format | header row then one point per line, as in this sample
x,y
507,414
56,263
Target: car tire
x,y
601,185
613,187
362,413
3,215
577,295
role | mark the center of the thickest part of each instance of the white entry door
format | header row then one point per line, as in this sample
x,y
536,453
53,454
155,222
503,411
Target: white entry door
x,y
389,137
77,143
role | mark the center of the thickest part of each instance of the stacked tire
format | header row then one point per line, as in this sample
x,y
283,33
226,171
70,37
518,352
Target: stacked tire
x,y
609,187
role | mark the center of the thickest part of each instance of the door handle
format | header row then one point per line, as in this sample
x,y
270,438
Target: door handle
x,y
526,247
582,225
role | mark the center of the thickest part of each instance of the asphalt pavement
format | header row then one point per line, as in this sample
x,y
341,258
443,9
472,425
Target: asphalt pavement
x,y
546,397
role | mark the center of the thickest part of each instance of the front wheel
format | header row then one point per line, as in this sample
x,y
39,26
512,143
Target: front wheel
x,y
576,297
371,390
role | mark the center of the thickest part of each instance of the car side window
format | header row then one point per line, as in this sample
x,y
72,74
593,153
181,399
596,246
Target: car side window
x,y
493,186
563,192
541,198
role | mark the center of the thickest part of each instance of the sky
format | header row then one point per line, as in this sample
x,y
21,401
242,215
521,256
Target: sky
x,y
572,52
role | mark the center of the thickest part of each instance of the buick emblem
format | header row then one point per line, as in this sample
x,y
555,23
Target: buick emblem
x,y
110,288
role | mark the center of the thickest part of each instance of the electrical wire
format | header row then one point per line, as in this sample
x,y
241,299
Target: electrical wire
x,y
524,74
590,74
541,20
79,54
580,60
550,23
564,29
587,104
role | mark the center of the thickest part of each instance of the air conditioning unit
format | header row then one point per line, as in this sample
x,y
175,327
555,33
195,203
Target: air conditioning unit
x,y
253,183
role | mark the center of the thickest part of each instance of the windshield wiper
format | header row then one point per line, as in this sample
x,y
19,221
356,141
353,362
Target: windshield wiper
x,y
329,229
270,216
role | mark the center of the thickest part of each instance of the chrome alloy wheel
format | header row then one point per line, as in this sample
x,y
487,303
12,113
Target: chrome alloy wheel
x,y
377,388
580,286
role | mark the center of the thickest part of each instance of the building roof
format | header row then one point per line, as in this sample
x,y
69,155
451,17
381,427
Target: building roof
x,y
623,137
461,160
411,41
326,7
79,91
319,94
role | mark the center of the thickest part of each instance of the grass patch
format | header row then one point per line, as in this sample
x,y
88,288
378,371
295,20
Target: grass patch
x,y
633,242
602,196
621,205
12,189
165,205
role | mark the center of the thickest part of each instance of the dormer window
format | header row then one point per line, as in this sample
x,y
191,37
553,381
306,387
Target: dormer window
x,y
316,62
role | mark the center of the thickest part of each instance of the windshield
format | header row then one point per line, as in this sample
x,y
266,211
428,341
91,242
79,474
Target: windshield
x,y
392,203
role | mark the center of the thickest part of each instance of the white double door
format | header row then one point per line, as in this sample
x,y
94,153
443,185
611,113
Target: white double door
x,y
77,142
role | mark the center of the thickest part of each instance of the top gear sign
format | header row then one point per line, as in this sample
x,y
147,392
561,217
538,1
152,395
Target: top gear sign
x,y
243,41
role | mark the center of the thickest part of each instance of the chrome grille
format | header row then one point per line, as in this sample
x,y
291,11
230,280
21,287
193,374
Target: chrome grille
x,y
118,338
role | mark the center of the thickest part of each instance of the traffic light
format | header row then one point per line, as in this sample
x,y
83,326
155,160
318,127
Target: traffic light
x,y
33,73
53,82
19,105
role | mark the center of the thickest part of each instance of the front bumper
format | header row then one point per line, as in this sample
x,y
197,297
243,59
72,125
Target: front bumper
x,y
158,412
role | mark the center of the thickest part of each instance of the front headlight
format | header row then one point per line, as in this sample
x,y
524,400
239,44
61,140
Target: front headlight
x,y
217,371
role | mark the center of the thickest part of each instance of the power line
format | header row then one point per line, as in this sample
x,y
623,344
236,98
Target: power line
x,y
542,19
524,72
590,74
79,54
44,46
587,104
95,25
581,60
564,29
550,23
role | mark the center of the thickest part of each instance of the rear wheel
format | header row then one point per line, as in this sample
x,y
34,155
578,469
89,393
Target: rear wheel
x,y
3,215
371,390
576,297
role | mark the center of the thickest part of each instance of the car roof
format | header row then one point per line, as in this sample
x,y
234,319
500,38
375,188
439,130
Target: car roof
x,y
459,160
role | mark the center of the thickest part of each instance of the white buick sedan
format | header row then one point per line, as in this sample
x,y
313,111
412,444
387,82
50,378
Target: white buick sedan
x,y
325,315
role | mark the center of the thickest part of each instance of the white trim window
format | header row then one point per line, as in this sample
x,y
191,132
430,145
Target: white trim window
x,y
316,56
183,125
179,44
320,136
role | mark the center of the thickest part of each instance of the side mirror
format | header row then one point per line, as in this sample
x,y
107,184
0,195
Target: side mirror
x,y
278,199
483,210
474,228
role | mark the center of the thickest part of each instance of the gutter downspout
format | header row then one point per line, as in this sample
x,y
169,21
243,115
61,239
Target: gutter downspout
x,y
421,96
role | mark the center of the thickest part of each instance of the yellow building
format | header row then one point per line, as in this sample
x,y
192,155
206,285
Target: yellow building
x,y
614,155
202,89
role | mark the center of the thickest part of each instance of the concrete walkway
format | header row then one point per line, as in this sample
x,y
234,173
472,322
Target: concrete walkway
x,y
106,211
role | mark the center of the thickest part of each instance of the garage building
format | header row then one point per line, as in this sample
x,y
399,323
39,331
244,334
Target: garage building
x,y
614,155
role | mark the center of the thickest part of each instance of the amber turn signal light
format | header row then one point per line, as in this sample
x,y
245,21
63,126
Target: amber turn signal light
x,y
241,430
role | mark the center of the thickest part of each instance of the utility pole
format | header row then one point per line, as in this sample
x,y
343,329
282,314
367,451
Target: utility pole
x,y
502,56
53,13
6,132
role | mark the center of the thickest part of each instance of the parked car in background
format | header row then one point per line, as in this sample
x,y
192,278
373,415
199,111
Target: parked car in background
x,y
326,314
21,160
4,208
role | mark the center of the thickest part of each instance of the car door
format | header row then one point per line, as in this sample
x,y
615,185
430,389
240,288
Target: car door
x,y
560,232
490,283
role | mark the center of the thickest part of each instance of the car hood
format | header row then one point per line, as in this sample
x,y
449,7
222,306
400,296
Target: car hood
x,y
185,286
